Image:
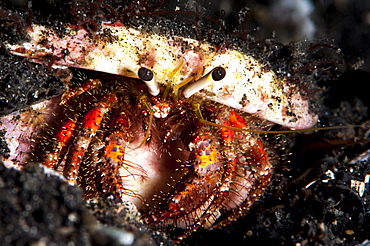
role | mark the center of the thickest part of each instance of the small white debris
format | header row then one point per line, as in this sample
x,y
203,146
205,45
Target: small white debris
x,y
359,186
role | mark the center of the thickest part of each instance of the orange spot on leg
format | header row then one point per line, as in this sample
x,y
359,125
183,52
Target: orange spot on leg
x,y
62,137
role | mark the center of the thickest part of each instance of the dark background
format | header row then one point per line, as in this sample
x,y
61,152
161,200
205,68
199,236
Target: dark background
x,y
327,212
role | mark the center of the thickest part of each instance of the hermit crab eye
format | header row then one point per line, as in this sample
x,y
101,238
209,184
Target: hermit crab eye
x,y
216,74
147,76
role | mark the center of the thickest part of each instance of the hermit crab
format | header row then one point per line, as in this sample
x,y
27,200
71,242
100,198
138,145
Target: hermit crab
x,y
161,117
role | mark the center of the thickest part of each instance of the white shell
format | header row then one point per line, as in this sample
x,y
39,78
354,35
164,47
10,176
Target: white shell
x,y
123,51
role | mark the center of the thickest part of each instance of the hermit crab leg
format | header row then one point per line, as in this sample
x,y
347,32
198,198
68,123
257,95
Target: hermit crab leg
x,y
68,129
90,125
245,176
62,138
218,181
253,164
187,206
88,85
113,159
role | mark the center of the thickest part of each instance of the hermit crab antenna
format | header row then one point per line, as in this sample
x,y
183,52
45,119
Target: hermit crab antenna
x,y
147,76
196,108
216,74
178,67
